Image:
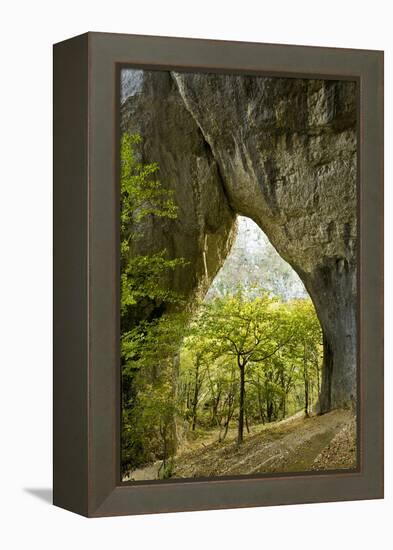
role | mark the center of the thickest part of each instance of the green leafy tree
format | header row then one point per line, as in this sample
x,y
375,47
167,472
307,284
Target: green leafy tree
x,y
257,345
246,355
250,331
308,346
150,352
148,403
142,195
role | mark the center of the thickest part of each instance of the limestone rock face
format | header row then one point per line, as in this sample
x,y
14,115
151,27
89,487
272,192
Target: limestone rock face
x,y
205,226
281,151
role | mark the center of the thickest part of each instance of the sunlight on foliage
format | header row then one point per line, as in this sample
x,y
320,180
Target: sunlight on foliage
x,y
244,357
147,388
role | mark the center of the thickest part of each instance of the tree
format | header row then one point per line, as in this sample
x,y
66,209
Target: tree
x,y
208,380
142,195
147,401
250,331
150,350
309,346
191,379
245,352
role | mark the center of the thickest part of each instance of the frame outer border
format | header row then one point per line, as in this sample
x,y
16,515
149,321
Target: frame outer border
x,y
91,379
70,274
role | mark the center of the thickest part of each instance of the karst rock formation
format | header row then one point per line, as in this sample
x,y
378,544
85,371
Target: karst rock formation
x,y
281,151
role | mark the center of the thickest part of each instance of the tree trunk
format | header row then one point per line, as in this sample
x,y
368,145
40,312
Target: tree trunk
x,y
269,410
246,418
306,397
260,405
229,415
241,404
318,380
306,382
188,399
284,405
196,397
215,405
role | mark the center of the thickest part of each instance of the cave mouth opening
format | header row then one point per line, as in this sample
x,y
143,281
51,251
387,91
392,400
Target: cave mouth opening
x,y
253,263
250,357
255,356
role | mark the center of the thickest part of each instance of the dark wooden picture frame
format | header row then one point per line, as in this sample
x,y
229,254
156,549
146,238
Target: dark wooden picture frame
x,y
86,419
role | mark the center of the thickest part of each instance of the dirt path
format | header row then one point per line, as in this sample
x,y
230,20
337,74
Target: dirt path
x,y
292,445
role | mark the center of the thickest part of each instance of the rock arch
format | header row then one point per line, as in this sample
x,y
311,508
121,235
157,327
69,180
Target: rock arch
x,y
281,151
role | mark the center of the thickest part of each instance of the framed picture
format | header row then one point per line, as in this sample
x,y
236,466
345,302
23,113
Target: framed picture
x,y
218,274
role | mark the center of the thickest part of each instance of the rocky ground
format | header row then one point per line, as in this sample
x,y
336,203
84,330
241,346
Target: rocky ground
x,y
341,451
296,444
